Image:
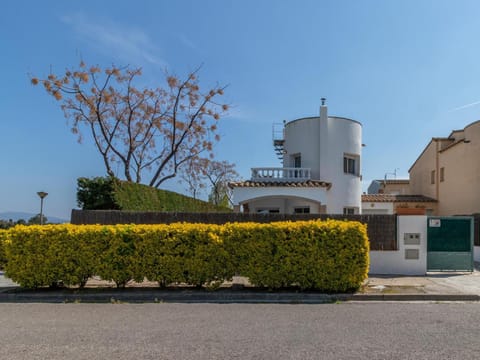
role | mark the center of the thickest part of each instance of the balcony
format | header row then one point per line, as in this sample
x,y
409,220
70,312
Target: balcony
x,y
280,174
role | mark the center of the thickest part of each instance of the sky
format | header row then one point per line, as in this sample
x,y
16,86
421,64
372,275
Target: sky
x,y
408,70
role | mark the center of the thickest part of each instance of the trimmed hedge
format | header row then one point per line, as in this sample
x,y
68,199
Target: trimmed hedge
x,y
106,193
49,254
138,197
324,255
3,259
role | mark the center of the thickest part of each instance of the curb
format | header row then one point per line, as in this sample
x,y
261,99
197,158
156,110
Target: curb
x,y
415,297
219,297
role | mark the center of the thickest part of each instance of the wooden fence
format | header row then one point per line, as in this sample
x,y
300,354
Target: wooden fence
x,y
382,229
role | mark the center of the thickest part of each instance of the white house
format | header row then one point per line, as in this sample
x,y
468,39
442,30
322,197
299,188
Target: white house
x,y
321,170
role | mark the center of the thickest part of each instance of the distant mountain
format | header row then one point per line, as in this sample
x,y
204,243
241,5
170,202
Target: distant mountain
x,y
17,215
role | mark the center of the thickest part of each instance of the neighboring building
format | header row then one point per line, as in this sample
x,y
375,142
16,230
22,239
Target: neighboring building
x,y
399,204
321,170
448,170
393,196
390,186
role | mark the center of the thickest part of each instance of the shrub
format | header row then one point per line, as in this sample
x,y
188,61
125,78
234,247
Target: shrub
x,y
47,255
329,255
184,253
137,197
118,255
106,193
3,259
96,193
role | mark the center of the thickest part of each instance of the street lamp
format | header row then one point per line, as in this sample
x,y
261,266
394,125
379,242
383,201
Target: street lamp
x,y
42,195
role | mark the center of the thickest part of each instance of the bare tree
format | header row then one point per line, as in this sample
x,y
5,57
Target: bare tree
x,y
192,176
155,130
218,174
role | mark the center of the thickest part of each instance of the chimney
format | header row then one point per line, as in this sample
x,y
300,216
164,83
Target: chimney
x,y
323,110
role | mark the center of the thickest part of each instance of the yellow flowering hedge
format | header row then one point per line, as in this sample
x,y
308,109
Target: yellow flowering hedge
x,y
325,255
49,254
184,253
3,259
180,253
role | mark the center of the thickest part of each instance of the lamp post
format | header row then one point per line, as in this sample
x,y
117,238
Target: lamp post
x,y
42,195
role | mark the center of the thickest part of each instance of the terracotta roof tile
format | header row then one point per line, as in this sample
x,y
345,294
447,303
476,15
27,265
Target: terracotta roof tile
x,y
395,198
394,181
302,184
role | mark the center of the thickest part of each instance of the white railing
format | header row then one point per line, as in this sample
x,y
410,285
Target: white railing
x,y
280,174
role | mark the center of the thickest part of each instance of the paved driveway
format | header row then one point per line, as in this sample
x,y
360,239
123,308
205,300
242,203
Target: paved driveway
x,y
5,282
468,283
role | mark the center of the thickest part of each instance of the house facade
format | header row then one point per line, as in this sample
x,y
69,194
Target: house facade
x,y
390,186
400,204
448,170
321,170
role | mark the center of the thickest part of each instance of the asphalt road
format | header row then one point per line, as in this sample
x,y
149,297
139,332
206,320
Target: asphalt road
x,y
240,331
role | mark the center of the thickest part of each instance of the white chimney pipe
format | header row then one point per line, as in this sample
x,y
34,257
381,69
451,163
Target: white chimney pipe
x,y
323,110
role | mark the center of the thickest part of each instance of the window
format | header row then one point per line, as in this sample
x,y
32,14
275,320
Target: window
x,y
297,161
348,211
268,211
442,174
432,177
351,164
302,210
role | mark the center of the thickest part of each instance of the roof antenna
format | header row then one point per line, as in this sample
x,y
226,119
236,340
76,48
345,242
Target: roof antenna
x,y
394,173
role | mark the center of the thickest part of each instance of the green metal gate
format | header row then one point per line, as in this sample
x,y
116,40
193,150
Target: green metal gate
x,y
450,243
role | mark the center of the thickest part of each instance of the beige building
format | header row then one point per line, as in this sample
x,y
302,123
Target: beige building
x,y
393,196
387,204
448,170
390,186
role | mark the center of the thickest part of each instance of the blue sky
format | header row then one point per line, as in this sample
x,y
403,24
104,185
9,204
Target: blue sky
x,y
408,70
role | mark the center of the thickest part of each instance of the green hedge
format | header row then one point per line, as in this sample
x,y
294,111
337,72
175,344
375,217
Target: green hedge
x,y
137,197
324,255
101,193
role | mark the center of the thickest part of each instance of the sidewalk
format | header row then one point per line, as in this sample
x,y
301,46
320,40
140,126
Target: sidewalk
x,y
433,287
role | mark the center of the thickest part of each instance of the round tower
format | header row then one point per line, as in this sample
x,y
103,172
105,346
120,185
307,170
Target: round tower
x,y
331,147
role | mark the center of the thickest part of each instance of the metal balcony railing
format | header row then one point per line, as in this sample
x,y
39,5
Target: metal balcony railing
x,y
280,174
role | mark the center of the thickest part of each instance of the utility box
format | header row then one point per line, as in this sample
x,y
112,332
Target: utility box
x,y
412,254
411,238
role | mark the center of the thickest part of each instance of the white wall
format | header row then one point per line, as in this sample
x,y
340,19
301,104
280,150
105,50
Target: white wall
x,y
242,194
476,253
284,205
302,137
394,262
322,143
338,137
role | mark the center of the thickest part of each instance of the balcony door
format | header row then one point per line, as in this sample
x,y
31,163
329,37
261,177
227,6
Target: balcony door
x,y
297,163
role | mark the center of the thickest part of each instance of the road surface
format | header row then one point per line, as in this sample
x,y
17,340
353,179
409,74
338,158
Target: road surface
x,y
240,331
